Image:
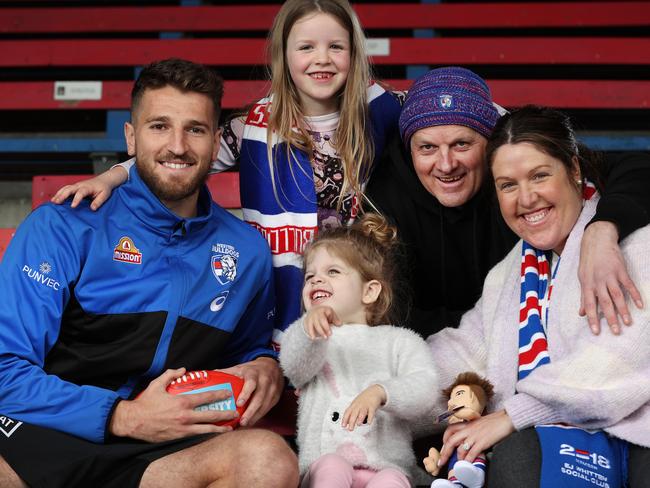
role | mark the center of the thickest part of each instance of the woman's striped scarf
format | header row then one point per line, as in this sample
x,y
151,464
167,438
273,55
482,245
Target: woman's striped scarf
x,y
535,277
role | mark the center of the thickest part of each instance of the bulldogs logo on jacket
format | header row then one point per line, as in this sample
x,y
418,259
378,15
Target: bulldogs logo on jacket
x,y
224,263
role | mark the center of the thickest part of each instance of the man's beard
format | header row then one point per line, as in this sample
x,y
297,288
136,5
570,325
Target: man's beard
x,y
172,190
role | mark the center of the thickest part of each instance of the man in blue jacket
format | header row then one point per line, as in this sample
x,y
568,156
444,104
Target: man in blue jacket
x,y
100,311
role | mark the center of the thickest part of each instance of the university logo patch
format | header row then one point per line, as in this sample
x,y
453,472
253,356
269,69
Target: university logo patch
x,y
224,263
447,101
8,426
126,252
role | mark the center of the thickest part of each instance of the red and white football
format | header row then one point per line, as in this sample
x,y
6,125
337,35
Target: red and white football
x,y
202,381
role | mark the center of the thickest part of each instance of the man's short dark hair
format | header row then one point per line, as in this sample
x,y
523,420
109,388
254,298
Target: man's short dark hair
x,y
183,75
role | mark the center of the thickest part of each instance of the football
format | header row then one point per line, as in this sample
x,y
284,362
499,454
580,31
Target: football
x,y
201,381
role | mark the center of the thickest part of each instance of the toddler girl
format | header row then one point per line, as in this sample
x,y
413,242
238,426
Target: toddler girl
x,y
360,382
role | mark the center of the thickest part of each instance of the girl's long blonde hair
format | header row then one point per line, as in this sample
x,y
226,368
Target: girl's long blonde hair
x,y
285,119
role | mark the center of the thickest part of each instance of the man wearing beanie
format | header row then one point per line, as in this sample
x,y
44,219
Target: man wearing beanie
x,y
433,183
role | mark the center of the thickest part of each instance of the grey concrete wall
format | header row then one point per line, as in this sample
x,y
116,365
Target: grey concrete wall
x,y
15,202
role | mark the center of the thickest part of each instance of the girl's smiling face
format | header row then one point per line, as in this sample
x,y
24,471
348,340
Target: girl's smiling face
x,y
540,201
331,281
318,58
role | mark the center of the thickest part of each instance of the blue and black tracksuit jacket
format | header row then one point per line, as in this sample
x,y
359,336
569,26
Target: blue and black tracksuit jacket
x,y
94,305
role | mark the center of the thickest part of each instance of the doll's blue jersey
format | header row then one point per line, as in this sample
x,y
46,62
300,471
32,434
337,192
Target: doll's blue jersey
x,y
93,305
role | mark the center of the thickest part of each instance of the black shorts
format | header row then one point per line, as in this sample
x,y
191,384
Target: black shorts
x,y
48,458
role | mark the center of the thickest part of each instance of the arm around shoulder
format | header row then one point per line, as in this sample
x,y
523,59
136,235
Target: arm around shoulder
x,y
229,144
99,188
626,200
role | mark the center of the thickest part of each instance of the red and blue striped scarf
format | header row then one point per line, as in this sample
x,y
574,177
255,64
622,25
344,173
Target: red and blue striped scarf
x,y
287,214
535,278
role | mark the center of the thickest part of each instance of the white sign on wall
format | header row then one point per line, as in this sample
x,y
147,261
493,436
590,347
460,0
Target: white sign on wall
x,y
77,90
378,47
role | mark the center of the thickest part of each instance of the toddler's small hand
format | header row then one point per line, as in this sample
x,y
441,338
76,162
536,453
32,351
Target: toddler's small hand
x,y
318,322
363,408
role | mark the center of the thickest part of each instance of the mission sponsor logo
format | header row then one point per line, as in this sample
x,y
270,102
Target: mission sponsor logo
x,y
40,275
224,263
126,252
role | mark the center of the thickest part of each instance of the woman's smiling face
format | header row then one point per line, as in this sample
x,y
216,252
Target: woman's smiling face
x,y
540,201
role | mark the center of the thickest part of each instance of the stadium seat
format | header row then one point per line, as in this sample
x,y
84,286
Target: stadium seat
x,y
589,56
5,237
224,188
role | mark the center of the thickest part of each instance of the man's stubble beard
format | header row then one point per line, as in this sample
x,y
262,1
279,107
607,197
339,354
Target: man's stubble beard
x,y
172,190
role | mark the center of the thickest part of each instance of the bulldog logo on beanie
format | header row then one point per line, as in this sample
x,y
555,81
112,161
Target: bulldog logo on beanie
x,y
448,96
446,101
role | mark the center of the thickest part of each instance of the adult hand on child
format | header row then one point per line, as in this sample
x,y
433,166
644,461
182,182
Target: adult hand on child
x,y
473,438
263,383
156,415
363,407
604,278
319,320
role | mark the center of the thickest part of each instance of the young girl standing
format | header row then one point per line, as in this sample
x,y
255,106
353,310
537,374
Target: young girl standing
x,y
360,382
306,150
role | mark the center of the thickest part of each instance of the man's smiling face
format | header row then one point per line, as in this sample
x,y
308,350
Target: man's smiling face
x,y
450,162
174,139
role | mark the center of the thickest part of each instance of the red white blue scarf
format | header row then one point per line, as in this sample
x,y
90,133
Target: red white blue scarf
x,y
287,214
535,278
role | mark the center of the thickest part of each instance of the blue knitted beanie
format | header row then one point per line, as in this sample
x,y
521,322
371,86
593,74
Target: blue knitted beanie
x,y
448,96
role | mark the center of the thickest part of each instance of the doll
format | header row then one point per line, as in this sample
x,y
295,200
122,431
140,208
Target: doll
x,y
468,396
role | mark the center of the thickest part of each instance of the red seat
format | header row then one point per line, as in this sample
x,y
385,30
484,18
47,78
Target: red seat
x,y
5,237
395,15
281,419
596,94
589,57
224,187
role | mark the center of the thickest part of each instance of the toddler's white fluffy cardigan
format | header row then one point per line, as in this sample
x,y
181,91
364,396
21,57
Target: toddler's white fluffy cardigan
x,y
331,373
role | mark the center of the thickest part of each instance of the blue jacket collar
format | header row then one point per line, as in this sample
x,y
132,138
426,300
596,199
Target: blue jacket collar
x,y
153,213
